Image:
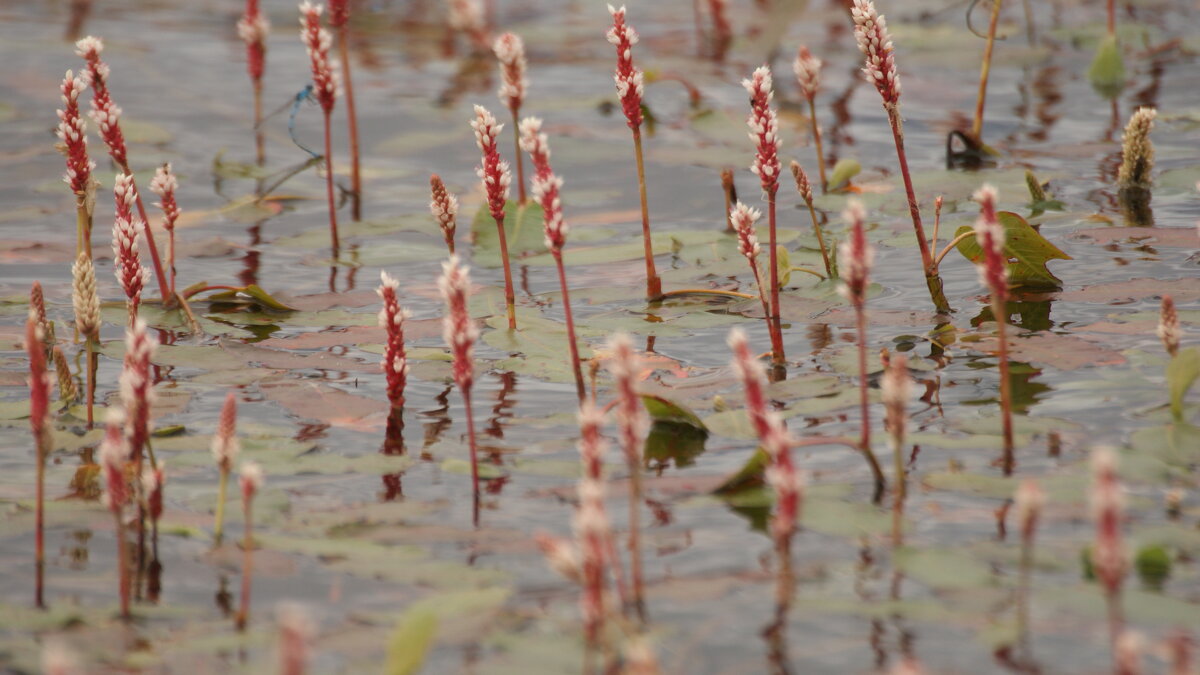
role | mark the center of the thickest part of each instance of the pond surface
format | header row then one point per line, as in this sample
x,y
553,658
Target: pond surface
x,y
364,527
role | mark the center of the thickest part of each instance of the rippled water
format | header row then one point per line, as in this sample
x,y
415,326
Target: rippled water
x,y
361,536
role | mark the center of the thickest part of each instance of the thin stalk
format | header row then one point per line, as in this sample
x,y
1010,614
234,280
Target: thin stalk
x,y
808,270
1024,575
333,226
83,225
932,280
950,247
171,259
260,141
510,298
816,130
899,492
977,124
222,494
653,283
150,244
243,614
1030,30
574,348
1116,619
40,527
786,581
92,364
618,569
864,443
122,565
634,543
762,297
355,175
516,125
821,237
1112,17
998,312
773,320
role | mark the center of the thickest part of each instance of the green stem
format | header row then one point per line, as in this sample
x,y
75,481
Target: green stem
x,y
653,283
222,494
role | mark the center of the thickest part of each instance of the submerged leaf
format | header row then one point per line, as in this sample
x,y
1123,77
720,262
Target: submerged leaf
x,y
1027,251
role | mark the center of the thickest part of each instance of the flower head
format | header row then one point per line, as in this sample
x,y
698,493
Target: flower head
x,y
129,270
743,218
493,172
871,33
629,79
250,480
444,207
225,444
72,134
39,383
84,299
989,234
114,452
391,319
137,390
855,255
624,364
764,129
317,42
1168,325
1137,152
458,330
808,72
546,185
164,185
153,480
510,52
803,186
253,29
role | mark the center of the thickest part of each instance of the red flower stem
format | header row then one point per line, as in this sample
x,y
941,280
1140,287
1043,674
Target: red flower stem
x,y
510,298
516,125
635,545
122,565
333,227
977,124
932,280
468,411
83,225
773,321
355,173
812,115
1112,17
864,443
93,363
562,280
40,527
243,614
260,141
153,247
171,258
998,312
653,283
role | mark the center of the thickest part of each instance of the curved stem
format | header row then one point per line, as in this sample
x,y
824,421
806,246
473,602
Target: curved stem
x,y
706,291
820,240
574,348
950,246
355,175
653,283
816,130
333,226
808,270
977,123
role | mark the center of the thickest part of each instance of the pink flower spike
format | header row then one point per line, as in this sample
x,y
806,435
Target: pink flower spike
x,y
493,172
467,16
625,366
339,12
444,207
855,255
752,375
137,389
871,33
250,480
458,330
164,185
545,184
104,112
129,270
510,52
317,41
989,234
225,444
629,79
591,522
39,384
764,129
72,133
808,72
253,29
1168,325
391,319
152,486
1108,552
743,218
114,453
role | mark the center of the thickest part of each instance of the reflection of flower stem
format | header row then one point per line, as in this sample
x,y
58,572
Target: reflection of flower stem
x,y
93,363
998,312
122,561
864,444
243,614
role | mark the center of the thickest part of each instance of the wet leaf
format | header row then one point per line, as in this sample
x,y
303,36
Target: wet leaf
x,y
662,410
1027,251
749,476
1107,72
250,295
522,229
843,172
410,642
1181,374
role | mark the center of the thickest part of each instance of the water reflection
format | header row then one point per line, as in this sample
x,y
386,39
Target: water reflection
x,y
393,445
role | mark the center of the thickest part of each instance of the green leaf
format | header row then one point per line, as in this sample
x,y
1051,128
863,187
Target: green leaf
x,y
410,642
254,292
522,231
1027,251
1181,373
843,171
662,410
749,476
673,442
1107,73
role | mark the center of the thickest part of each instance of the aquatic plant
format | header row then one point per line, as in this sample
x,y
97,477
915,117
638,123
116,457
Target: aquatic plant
x,y
317,42
632,424
107,116
764,131
804,187
1137,152
510,52
391,319
39,404
444,207
130,273
1168,329
993,274
591,525
225,449
874,41
339,19
855,258
984,71
114,453
250,480
86,305
743,219
808,76
72,135
493,172
1028,502
460,334
1108,554
253,29
631,86
164,185
545,187
897,388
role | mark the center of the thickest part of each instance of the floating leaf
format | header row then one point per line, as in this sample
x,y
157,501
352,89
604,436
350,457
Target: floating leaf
x,y
1026,249
1107,73
410,642
1181,373
845,170
662,410
523,233
749,476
